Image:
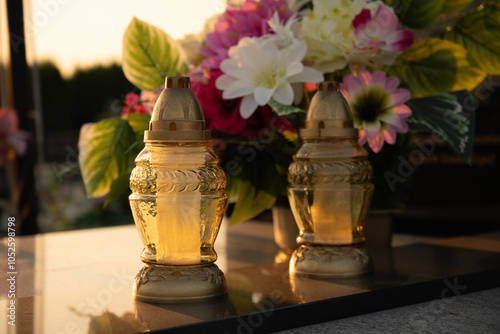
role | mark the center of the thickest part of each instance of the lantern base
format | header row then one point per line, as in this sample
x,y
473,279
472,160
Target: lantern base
x,y
330,261
179,284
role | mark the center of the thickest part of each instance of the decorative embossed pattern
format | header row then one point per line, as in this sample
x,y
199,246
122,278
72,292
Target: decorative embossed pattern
x,y
212,180
143,180
206,180
211,274
316,173
325,254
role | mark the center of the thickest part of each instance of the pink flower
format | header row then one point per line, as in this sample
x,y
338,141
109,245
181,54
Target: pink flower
x,y
381,32
10,135
377,106
224,115
148,98
249,21
133,105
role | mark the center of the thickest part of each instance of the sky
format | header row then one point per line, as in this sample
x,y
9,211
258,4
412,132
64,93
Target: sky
x,y
84,32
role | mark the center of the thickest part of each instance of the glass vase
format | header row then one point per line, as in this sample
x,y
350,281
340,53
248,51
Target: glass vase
x,y
330,191
178,202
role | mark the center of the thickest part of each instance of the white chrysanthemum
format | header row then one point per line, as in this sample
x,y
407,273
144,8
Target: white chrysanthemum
x,y
258,71
284,33
329,33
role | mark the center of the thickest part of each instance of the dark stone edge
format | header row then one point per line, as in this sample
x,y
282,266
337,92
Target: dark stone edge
x,y
346,306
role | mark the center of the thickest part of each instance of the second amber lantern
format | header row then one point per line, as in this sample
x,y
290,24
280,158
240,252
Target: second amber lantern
x,y
178,202
330,191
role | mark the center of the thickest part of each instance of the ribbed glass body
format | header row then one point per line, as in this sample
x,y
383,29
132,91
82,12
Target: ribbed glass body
x,y
178,202
330,191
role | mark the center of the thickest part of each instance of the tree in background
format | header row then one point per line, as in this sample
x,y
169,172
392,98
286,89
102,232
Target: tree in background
x,y
87,96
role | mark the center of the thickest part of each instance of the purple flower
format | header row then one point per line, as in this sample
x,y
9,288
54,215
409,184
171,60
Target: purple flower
x,y
378,107
249,21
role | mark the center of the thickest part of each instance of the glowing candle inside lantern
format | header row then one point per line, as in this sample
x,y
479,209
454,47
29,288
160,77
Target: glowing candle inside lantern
x,y
330,190
178,224
331,216
178,202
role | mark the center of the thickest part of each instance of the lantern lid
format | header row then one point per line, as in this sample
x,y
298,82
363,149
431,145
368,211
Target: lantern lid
x,y
177,115
329,115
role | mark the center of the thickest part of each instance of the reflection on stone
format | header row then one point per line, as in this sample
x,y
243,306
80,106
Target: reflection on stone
x,y
160,316
282,257
310,290
109,322
267,287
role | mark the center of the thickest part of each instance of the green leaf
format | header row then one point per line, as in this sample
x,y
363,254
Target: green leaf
x,y
454,6
260,182
250,202
434,66
451,116
479,33
103,154
417,14
232,188
118,187
139,123
136,147
297,119
492,8
149,55
282,109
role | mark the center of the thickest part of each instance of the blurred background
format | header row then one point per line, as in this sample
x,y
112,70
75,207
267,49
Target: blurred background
x,y
60,68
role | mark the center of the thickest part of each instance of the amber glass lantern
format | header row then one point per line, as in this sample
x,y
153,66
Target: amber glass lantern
x,y
330,190
178,202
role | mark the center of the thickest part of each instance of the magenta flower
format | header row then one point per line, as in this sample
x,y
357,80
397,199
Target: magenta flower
x,y
381,32
133,105
148,98
378,108
224,115
249,21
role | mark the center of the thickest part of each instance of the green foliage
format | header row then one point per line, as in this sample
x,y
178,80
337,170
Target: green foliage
x,y
479,34
55,101
297,119
433,66
86,96
417,14
250,202
139,123
118,187
390,161
454,6
492,8
104,154
284,110
257,174
149,55
451,116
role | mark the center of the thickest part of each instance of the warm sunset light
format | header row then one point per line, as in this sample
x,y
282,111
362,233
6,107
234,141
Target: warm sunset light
x,y
77,33
249,166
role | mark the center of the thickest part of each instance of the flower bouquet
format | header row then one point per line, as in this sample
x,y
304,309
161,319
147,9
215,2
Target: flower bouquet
x,y
403,66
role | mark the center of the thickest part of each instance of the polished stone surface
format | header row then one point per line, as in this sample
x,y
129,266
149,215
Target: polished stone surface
x,y
72,282
471,313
